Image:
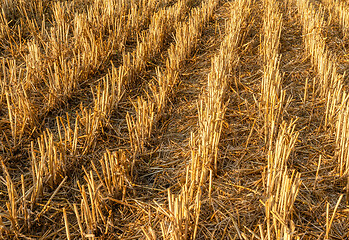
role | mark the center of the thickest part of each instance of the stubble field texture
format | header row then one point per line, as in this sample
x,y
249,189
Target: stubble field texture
x,y
174,119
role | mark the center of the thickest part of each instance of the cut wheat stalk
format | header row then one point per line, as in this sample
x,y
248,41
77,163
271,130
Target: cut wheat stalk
x,y
115,173
211,109
38,177
50,158
91,49
281,189
105,100
328,220
90,123
330,81
12,34
342,136
178,207
339,12
116,82
53,51
272,96
66,223
151,42
24,202
53,160
87,121
186,38
11,213
46,206
61,59
342,140
68,134
64,72
21,110
91,214
140,127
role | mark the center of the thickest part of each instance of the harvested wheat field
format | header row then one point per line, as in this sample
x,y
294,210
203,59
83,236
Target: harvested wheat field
x,y
174,119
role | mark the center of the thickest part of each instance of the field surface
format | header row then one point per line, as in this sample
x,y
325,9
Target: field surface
x,y
174,119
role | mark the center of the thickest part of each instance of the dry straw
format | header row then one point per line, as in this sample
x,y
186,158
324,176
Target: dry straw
x,y
116,169
339,12
11,212
330,82
148,46
186,38
162,24
21,111
140,127
60,56
272,96
280,189
94,211
185,208
55,52
106,98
